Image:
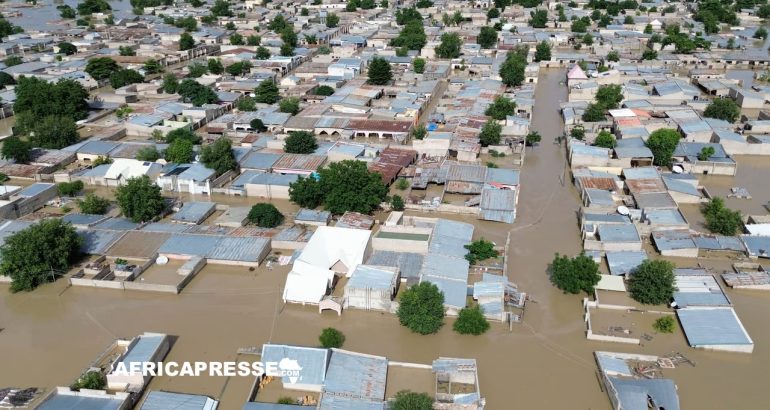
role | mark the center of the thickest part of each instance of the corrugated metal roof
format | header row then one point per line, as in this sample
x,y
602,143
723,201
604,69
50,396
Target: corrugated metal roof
x,y
143,350
698,290
97,242
116,224
455,292
313,215
623,262
194,211
300,162
669,240
259,160
356,375
76,402
409,263
712,326
467,173
372,277
444,267
609,364
162,400
618,233
83,219
242,249
312,362
636,394
35,189
193,245
758,246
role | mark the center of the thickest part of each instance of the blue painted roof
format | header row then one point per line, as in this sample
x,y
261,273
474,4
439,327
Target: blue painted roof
x,y
34,189
83,219
117,224
669,240
260,160
757,245
712,326
329,402
313,215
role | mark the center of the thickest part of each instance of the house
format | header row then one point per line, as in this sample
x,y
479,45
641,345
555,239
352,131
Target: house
x,y
147,347
161,400
688,155
66,398
312,361
715,328
312,217
372,288
260,184
28,200
628,390
190,178
194,212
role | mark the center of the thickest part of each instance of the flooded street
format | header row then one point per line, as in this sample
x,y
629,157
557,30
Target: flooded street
x,y
545,362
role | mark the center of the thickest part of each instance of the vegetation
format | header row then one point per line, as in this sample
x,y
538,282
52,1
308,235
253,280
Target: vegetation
x,y
265,215
379,71
180,151
613,56
480,250
411,37
761,33
100,68
152,66
257,125
16,149
239,68
262,53
88,7
402,184
408,400
501,108
331,337
332,20
289,105
450,46
397,203
512,69
605,140
140,199
419,65
662,143
196,93
186,41
266,92
340,187
300,142
170,83
649,54
93,380
419,132
543,51
471,321
215,66
652,283
324,90
723,109
706,153
421,308
183,133
124,77
94,205
37,254
148,154
70,188
665,324
533,138
573,275
286,400
487,37
490,133
578,133
67,48
539,18
721,219
219,156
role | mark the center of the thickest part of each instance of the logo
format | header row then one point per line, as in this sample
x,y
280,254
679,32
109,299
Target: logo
x,y
290,368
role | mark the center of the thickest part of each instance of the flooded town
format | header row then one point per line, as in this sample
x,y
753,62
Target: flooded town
x,y
384,204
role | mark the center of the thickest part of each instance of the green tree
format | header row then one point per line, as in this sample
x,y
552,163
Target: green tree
x,y
405,15
408,400
17,149
652,283
493,13
126,51
379,71
219,156
332,20
490,133
140,199
241,67
288,36
6,79
421,308
37,254
289,105
214,66
170,83
184,133
543,51
221,8
54,132
186,41
648,29
93,380
501,108
300,142
236,39
512,69
196,70
533,138
649,54
149,153
257,125
100,68
450,46
266,92
419,65
628,20
67,48
613,56
723,109
262,53
419,132
265,215
340,187
253,40
471,321
605,140
539,18
487,37
760,33
70,188
662,143
152,66
331,337
706,153
594,112
402,184
664,324
480,250
397,203
278,23
94,205
578,133
609,96
66,12
411,37
88,7
180,151
324,90
196,93
124,77
720,219
12,61
575,275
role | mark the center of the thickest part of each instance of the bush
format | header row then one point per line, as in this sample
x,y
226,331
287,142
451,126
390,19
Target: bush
x,y
490,133
576,274
300,142
183,133
265,215
397,203
219,156
286,400
501,108
341,186
480,250
421,308
578,133
471,321
605,140
723,109
664,324
94,205
331,337
90,380
402,184
720,219
533,138
70,188
652,283
408,400
419,132
148,154
324,90
140,199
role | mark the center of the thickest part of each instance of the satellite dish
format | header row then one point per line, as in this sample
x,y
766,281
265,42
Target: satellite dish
x,y
677,169
623,210
162,260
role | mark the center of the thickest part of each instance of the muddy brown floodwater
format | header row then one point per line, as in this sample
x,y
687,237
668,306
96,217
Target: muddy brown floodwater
x,y
53,333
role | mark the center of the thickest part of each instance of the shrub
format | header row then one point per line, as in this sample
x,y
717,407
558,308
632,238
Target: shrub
x,y
720,219
402,184
300,142
652,283
480,250
408,400
331,337
421,308
265,215
397,203
90,380
664,324
94,205
573,275
70,188
471,321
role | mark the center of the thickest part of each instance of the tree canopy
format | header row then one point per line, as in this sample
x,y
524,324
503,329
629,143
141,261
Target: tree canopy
x,y
512,69
490,133
421,308
41,98
652,283
340,187
289,105
148,154
267,92
16,149
219,156
450,46
186,41
543,51
125,77
300,142
379,71
54,132
480,250
94,205
501,108
265,215
412,36
573,275
140,199
723,109
324,90
721,219
487,37
331,337
605,140
67,48
196,93
471,321
662,143
37,254
408,400
419,65
101,68
180,151
183,133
